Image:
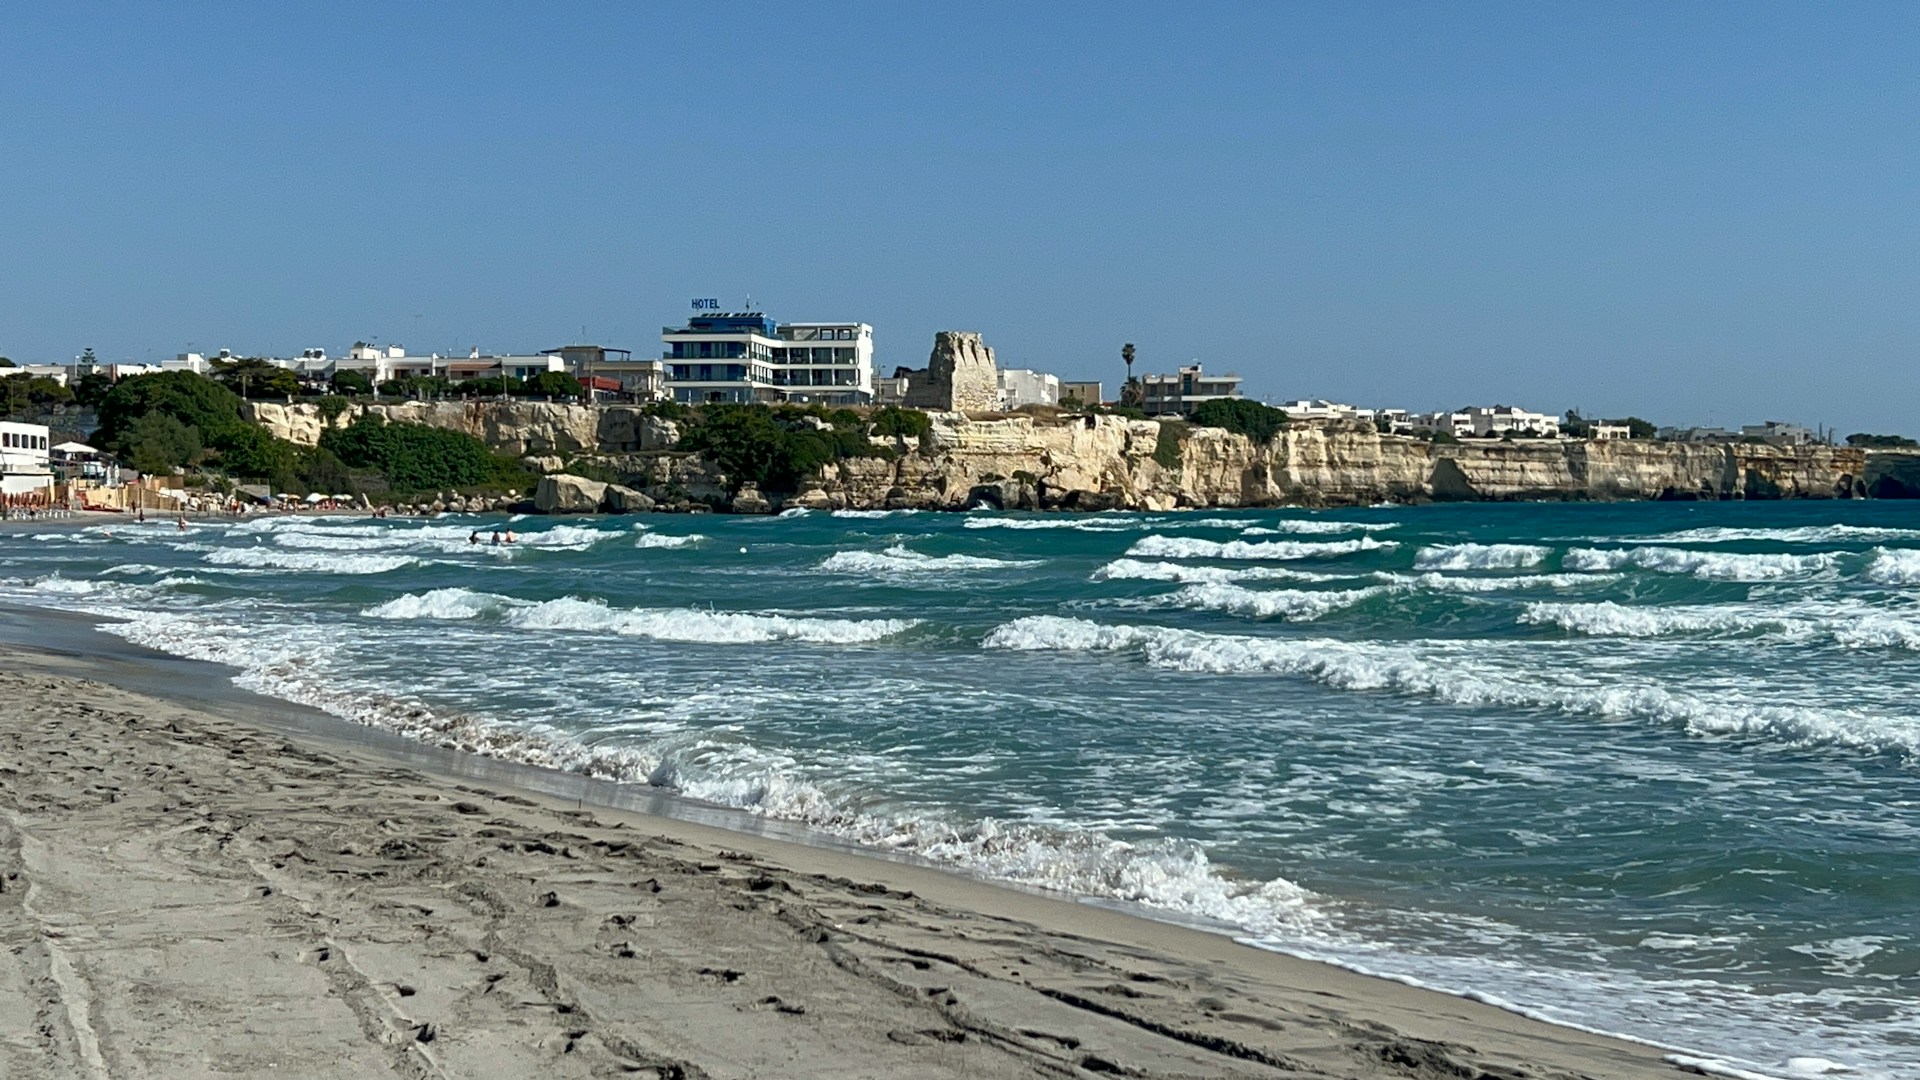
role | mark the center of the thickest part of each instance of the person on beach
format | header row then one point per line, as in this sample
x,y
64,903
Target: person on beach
x,y
510,536
181,524
496,538
474,537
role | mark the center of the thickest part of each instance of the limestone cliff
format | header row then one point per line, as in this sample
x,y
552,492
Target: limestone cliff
x,y
1107,462
519,428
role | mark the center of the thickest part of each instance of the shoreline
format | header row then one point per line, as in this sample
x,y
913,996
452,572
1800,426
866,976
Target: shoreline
x,y
1342,1003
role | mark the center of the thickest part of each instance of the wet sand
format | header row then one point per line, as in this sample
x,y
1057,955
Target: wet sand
x,y
204,884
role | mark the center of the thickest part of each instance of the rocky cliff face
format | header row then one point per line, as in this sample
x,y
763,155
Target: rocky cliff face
x,y
1107,462
519,428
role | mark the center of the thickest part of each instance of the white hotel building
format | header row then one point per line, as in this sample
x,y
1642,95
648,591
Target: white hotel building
x,y
745,356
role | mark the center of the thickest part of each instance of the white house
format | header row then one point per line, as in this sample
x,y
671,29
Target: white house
x,y
1022,386
1601,431
25,478
1493,421
1780,433
1322,409
1457,424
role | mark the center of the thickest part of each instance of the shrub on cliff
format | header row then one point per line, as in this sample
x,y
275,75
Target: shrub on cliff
x,y
1166,448
773,451
1242,417
200,403
892,421
415,457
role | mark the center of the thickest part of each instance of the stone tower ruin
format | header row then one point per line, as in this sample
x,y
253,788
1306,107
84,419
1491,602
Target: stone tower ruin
x,y
960,375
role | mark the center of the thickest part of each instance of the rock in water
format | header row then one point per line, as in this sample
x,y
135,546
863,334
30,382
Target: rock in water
x,y
563,493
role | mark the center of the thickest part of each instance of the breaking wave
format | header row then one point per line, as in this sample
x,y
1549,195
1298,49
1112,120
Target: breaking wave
x,y
319,562
662,540
1187,547
900,559
1294,605
1711,565
1459,674
1894,566
1811,534
701,627
442,604
1480,557
1608,619
1317,527
1447,583
1137,570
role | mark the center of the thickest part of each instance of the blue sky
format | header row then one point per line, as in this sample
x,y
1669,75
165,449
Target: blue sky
x,y
1697,213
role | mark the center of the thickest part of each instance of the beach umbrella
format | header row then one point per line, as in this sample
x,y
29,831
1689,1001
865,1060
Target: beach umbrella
x,y
343,498
315,497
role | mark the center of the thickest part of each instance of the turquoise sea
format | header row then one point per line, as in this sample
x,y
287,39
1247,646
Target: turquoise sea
x,y
1651,769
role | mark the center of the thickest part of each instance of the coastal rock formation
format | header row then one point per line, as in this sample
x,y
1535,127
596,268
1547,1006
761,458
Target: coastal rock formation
x,y
562,493
960,375
296,423
1893,475
625,500
1105,462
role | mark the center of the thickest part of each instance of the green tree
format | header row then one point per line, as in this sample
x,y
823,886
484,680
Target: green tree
x,y
157,443
351,383
552,384
196,402
92,388
248,451
256,379
5,362
1881,442
1638,428
1250,418
23,391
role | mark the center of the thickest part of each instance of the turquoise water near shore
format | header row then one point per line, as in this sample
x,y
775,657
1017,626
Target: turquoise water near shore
x,y
1652,769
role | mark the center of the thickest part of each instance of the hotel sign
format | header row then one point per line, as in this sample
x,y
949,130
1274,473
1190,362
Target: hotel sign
x,y
706,303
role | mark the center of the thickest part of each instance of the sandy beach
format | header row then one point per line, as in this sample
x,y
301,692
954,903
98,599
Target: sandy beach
x,y
189,894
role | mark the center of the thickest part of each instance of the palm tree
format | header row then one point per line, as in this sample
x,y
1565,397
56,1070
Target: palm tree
x,y
1126,353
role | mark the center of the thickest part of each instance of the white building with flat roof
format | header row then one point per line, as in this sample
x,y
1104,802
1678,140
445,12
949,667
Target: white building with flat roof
x,y
1023,386
25,476
746,357
1185,390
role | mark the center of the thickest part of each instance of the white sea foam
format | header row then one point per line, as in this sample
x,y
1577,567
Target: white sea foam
x,y
1187,547
698,626
1294,605
321,562
1894,566
870,513
1505,583
1089,523
1462,674
1608,619
794,512
1811,534
900,559
1480,557
1317,527
662,540
443,604
1711,565
1138,570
